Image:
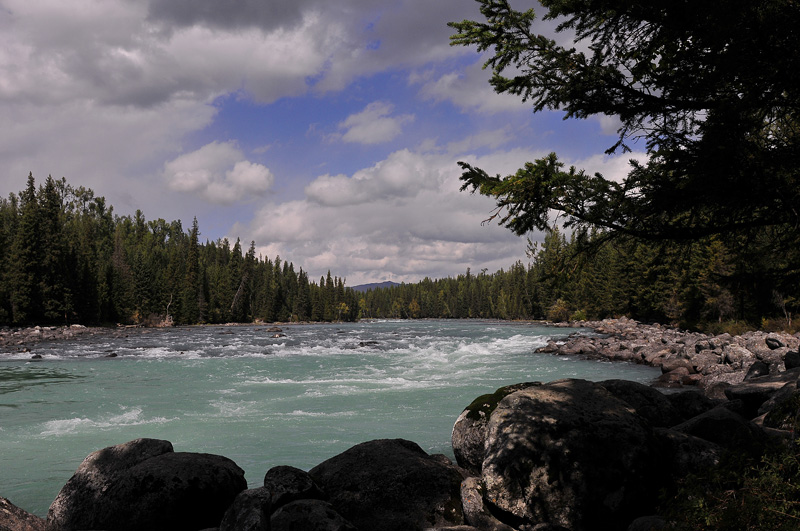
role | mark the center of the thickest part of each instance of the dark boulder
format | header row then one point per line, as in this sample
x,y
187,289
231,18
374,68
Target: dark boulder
x,y
287,484
791,360
689,404
725,428
392,485
250,511
570,453
309,515
12,518
649,403
686,454
757,369
469,431
784,414
755,392
143,484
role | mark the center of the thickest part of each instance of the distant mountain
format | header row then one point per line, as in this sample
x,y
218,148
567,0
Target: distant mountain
x,y
364,287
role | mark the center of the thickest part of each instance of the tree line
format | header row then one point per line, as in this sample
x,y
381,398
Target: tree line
x,y
66,258
700,285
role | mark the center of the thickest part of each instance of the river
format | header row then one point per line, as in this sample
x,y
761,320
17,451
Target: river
x,y
260,400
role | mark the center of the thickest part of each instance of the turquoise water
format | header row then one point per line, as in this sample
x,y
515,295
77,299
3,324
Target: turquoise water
x,y
261,401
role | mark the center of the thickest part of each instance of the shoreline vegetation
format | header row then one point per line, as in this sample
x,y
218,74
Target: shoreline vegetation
x,y
713,450
66,258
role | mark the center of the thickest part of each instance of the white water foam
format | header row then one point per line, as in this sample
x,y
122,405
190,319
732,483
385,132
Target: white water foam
x,y
130,417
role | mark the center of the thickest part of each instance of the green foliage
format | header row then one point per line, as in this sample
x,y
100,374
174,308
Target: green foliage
x,y
65,258
713,94
741,494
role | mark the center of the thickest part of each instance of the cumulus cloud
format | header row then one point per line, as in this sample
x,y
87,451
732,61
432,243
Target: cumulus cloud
x,y
404,215
374,125
468,89
218,173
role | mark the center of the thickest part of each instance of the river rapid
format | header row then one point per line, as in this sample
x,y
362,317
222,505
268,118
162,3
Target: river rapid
x,y
257,399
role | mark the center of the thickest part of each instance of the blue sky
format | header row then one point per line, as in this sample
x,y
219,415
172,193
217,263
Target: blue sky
x,y
326,132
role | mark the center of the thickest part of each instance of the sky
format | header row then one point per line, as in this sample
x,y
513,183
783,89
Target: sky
x,y
328,133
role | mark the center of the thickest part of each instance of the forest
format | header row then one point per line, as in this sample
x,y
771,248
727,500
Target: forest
x,y
66,258
698,285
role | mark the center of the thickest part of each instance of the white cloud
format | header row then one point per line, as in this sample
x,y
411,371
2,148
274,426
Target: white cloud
x,y
613,168
468,89
374,125
218,173
404,217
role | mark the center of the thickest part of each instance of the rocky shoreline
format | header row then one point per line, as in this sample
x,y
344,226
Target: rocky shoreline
x,y
686,359
565,455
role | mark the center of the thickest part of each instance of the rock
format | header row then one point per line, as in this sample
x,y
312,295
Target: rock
x,y
759,368
143,484
392,485
784,415
725,428
12,518
648,523
735,356
469,431
686,454
316,515
570,453
705,360
649,403
250,511
689,404
673,378
756,391
791,360
784,393
774,342
475,512
672,363
287,484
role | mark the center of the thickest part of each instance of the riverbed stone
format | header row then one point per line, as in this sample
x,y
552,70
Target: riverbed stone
x,y
144,484
570,453
392,485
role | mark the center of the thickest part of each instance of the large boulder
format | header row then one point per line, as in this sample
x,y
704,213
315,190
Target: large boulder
x,y
302,515
144,484
287,484
725,428
469,431
392,485
250,511
648,402
572,454
12,518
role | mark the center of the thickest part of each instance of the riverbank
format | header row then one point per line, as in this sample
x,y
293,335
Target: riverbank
x,y
686,359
